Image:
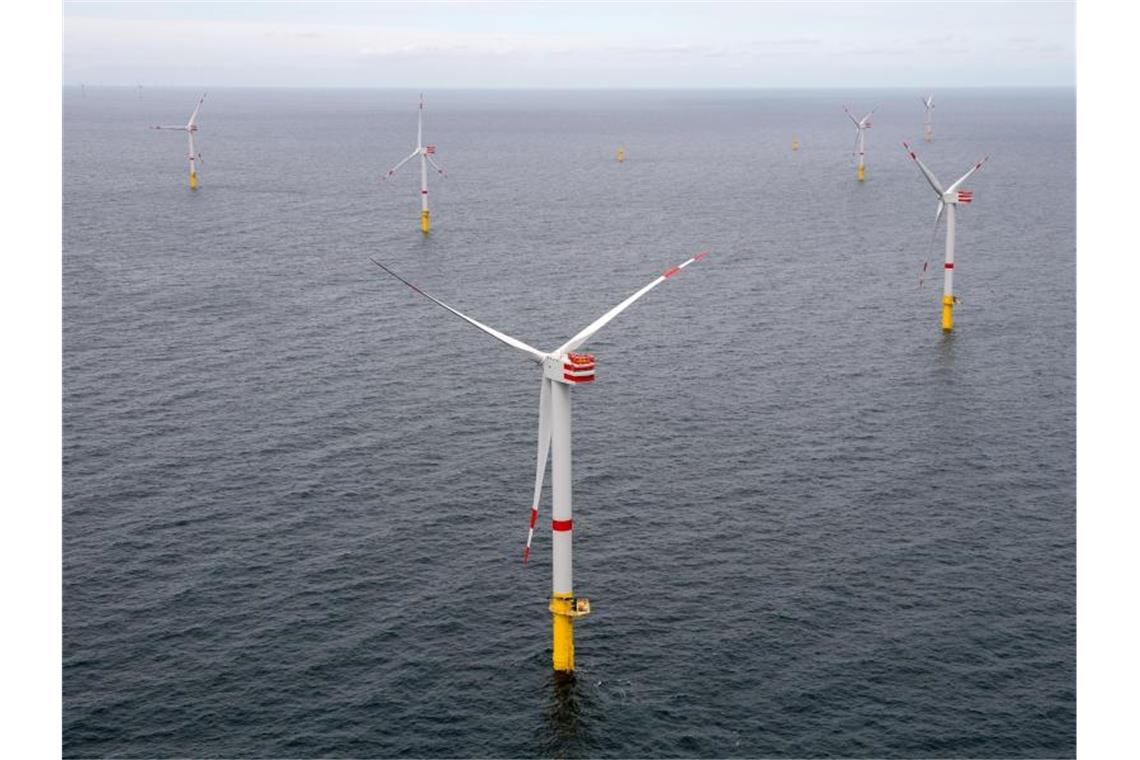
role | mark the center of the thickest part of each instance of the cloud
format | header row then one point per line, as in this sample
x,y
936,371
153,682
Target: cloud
x,y
789,42
719,45
679,48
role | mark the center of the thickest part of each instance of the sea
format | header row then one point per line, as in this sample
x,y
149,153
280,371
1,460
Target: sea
x,y
810,523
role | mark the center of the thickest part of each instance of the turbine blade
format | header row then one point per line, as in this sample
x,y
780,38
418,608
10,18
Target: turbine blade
x,y
966,176
934,183
533,352
396,168
438,168
933,238
180,127
544,435
194,115
601,321
850,116
420,124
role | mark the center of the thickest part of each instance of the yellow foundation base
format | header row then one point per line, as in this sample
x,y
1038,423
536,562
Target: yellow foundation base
x,y
562,612
425,221
861,173
193,181
947,313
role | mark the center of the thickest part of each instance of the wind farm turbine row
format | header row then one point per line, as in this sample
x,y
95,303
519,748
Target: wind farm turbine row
x,y
569,365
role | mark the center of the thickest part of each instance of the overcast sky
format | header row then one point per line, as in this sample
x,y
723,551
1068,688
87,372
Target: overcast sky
x,y
578,44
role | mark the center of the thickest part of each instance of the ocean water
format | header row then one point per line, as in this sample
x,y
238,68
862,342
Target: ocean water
x,y
296,494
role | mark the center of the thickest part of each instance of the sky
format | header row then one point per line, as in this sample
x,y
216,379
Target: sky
x,y
570,44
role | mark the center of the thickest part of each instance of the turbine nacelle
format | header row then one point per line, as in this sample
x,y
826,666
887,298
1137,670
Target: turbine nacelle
x,y
958,197
570,368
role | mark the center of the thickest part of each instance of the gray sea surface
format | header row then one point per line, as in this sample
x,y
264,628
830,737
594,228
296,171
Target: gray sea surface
x,y
810,524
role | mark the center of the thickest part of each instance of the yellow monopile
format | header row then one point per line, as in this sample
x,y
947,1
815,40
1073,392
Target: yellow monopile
x,y
425,221
562,612
861,173
948,313
193,180
621,155
795,143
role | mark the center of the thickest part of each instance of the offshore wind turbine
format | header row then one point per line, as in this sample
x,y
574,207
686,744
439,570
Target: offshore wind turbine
x,y
425,152
190,128
562,369
928,120
861,126
949,198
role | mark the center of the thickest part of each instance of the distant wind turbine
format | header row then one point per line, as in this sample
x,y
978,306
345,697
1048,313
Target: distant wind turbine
x,y
425,152
190,128
928,120
949,198
861,126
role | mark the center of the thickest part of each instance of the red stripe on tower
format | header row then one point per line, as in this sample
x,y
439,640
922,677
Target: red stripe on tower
x,y
950,265
562,525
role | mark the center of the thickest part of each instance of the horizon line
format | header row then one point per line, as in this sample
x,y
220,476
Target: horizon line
x,y
579,88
